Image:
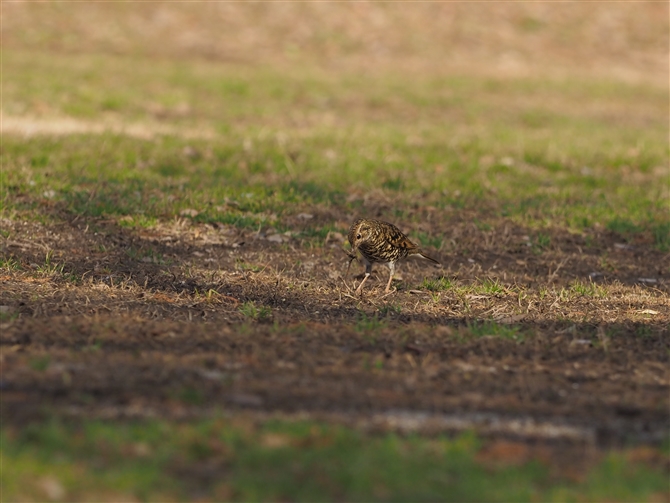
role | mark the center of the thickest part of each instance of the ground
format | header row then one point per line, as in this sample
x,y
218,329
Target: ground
x,y
272,326
173,253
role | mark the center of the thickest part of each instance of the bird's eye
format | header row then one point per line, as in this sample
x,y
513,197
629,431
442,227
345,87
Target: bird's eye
x,y
359,236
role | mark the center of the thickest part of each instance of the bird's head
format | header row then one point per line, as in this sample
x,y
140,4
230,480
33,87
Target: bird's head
x,y
359,232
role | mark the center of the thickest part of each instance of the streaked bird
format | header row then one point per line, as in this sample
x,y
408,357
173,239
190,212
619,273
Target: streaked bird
x,y
375,241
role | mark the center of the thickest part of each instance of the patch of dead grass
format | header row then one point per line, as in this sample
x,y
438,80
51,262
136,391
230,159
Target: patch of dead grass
x,y
179,326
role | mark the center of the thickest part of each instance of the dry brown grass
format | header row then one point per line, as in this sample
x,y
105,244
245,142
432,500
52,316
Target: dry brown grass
x,y
516,333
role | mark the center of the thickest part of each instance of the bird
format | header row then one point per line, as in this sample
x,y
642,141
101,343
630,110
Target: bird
x,y
376,241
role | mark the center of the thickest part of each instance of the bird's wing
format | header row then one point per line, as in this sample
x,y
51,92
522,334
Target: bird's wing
x,y
398,239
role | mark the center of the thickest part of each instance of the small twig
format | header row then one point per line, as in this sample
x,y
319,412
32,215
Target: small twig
x,y
352,257
390,293
344,282
350,296
25,245
553,274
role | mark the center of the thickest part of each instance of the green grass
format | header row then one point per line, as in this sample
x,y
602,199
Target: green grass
x,y
372,324
50,268
491,287
98,176
540,243
281,460
661,232
437,285
491,328
40,363
575,162
588,289
9,264
257,313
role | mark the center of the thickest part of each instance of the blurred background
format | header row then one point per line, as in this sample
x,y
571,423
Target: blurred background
x,y
626,41
623,40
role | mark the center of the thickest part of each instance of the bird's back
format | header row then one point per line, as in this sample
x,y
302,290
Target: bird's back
x,y
387,243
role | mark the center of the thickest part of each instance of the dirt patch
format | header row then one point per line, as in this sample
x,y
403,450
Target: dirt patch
x,y
187,320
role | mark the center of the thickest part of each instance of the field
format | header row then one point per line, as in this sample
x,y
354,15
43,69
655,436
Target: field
x,y
176,317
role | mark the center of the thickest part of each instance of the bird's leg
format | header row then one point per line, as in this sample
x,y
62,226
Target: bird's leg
x,y
368,271
392,268
367,275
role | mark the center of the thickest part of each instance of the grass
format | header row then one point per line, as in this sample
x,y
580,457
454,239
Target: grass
x,y
390,310
115,187
279,460
50,268
493,329
489,287
541,243
373,324
146,255
437,285
257,313
211,144
41,363
589,289
9,264
577,176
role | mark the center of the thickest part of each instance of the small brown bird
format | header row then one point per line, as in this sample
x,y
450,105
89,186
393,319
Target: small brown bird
x,y
380,242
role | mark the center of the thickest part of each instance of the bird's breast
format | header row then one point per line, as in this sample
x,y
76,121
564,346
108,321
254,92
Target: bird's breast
x,y
382,251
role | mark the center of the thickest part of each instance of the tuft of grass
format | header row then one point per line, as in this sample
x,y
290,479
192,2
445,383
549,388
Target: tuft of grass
x,y
587,289
482,226
490,287
254,312
437,285
493,329
369,324
540,243
246,266
50,268
138,222
7,315
10,264
390,310
40,363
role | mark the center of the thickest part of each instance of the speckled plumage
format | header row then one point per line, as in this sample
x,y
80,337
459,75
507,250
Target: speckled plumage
x,y
380,242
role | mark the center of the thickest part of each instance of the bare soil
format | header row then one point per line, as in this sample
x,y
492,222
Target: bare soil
x,y
149,323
